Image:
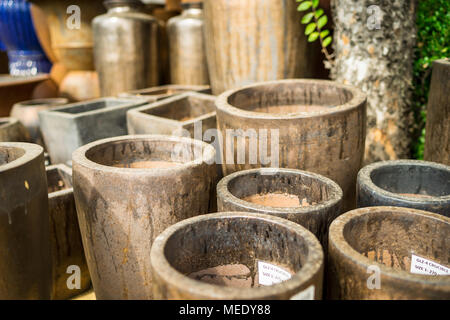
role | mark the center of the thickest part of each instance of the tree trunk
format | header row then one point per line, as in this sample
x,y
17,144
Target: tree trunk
x,y
437,136
374,43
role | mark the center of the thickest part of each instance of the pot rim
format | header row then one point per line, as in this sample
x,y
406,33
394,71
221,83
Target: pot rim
x,y
57,101
337,239
79,155
358,98
364,176
67,170
299,281
337,193
32,151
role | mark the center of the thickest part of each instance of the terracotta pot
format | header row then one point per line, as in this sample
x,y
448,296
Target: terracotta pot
x,y
68,127
25,257
312,125
158,93
308,199
373,252
67,248
252,41
27,113
237,255
11,130
405,183
127,191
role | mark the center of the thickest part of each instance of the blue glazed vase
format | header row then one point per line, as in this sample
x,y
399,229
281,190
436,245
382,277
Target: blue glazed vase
x,y
18,36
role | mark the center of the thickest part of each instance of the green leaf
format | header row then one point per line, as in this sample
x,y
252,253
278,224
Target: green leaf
x,y
324,33
319,13
327,41
304,6
307,18
310,28
322,22
315,3
313,37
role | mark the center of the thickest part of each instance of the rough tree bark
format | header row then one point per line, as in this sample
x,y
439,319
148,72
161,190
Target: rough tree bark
x,y
373,43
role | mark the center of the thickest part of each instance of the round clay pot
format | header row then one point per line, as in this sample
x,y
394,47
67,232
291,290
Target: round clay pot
x,y
308,199
127,191
405,183
11,130
371,251
25,260
237,255
320,124
27,113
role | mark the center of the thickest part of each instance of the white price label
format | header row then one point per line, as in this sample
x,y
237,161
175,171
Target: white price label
x,y
421,265
270,274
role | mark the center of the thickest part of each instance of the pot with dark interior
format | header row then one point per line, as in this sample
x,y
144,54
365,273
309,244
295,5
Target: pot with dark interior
x,y
237,255
313,125
389,253
306,198
25,257
127,191
27,113
11,130
67,249
405,183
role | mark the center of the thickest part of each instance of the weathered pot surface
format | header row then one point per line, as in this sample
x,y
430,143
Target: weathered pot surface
x,y
25,257
308,199
128,190
405,183
224,255
67,248
374,251
27,113
313,125
11,130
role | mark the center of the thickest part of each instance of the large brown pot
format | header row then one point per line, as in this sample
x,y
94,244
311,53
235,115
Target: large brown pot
x,y
237,255
252,41
128,190
312,125
25,260
375,253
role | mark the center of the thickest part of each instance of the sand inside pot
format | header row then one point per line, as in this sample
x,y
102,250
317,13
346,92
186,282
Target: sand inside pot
x,y
279,200
281,109
150,164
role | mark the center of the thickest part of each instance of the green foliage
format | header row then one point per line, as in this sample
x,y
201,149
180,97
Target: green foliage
x,y
433,42
316,20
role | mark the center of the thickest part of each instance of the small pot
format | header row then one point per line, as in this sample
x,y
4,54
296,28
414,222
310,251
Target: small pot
x,y
372,252
127,191
313,125
25,257
11,130
161,92
71,126
308,199
405,183
67,248
27,113
237,255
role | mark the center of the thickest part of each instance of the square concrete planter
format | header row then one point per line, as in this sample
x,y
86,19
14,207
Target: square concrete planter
x,y
67,247
68,127
174,114
162,92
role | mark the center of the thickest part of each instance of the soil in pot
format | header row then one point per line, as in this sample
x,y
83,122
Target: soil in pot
x,y
278,200
286,109
151,164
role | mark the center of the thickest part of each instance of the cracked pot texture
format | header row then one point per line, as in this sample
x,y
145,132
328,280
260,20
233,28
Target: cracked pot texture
x,y
374,46
123,202
367,240
235,242
25,254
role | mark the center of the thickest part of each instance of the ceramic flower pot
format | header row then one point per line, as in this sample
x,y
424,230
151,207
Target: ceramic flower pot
x,y
127,191
237,255
11,130
405,183
67,249
313,125
25,256
27,113
308,199
389,253
162,92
